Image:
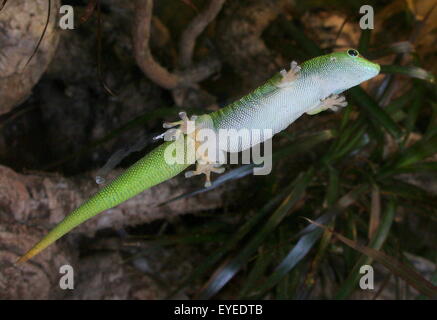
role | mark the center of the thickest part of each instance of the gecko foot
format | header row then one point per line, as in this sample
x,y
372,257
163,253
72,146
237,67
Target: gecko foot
x,y
186,126
290,75
333,102
205,169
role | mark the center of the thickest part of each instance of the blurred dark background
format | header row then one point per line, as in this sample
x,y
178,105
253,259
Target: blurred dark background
x,y
86,105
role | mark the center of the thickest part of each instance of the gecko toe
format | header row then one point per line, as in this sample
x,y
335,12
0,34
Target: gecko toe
x,y
189,174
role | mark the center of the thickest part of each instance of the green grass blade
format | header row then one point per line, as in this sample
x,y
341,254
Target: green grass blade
x,y
374,111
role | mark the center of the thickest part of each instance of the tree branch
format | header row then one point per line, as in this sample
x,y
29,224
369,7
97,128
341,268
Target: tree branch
x,y
143,55
194,29
152,68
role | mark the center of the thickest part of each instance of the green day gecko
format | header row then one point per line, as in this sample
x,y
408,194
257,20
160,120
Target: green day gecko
x,y
310,88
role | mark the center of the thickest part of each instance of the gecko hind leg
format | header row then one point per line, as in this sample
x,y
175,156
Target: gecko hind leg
x,y
186,126
333,102
205,169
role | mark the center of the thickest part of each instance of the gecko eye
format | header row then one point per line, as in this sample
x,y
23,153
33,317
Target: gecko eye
x,y
353,53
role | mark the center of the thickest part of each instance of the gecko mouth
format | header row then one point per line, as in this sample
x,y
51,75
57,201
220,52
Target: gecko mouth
x,y
377,68
374,68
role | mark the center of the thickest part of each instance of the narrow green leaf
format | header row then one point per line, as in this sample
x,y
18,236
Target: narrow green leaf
x,y
414,109
396,47
265,257
374,111
410,71
399,188
363,43
421,150
431,130
299,251
307,44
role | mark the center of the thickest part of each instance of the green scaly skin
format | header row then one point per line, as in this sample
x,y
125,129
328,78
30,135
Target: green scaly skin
x,y
145,173
274,105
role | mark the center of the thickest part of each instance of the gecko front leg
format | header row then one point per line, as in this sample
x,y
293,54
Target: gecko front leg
x,y
290,75
333,102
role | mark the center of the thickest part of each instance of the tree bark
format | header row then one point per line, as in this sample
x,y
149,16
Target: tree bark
x,y
22,23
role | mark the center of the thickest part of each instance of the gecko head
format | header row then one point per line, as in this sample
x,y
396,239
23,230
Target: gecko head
x,y
348,68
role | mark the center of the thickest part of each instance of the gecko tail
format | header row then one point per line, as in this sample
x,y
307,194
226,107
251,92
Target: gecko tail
x,y
29,255
147,172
